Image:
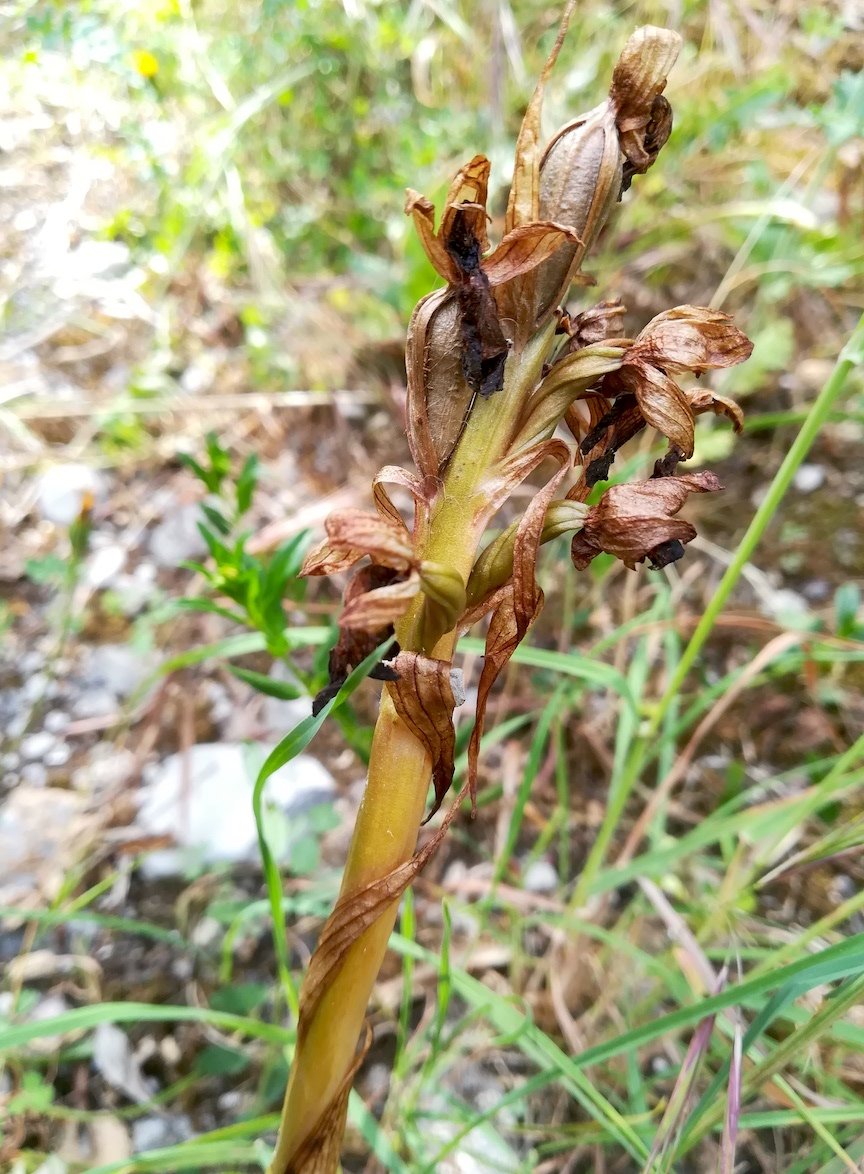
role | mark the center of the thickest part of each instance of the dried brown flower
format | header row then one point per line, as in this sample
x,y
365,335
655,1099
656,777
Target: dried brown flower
x,y
635,522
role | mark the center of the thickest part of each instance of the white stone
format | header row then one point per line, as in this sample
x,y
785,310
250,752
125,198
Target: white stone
x,y
177,537
58,755
119,668
61,489
809,478
203,799
99,258
106,768
103,565
151,1133
35,746
540,877
94,703
784,603
35,687
115,1063
34,774
56,721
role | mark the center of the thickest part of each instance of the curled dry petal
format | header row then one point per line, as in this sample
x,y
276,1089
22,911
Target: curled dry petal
x,y
639,78
661,401
526,247
422,490
596,324
422,211
635,522
702,399
692,339
423,697
353,533
375,610
468,191
655,137
685,339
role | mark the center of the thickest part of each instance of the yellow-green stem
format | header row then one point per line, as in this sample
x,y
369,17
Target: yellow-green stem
x,y
388,820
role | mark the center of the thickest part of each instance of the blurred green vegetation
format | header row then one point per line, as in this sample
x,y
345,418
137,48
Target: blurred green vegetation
x,y
270,142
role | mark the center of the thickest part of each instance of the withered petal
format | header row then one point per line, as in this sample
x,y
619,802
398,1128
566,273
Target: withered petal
x,y
639,77
524,248
469,191
692,338
702,399
358,532
631,521
327,559
629,539
422,490
422,212
381,607
597,324
663,404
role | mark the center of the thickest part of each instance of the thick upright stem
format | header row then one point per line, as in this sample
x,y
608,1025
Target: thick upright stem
x,y
389,818
384,837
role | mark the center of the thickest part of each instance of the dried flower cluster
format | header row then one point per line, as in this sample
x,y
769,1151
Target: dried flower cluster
x,y
498,311
495,365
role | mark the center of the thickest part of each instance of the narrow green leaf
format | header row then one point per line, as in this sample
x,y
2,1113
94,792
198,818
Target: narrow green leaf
x,y
262,683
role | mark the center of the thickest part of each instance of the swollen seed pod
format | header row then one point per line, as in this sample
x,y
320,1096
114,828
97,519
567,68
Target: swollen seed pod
x,y
438,393
591,160
581,174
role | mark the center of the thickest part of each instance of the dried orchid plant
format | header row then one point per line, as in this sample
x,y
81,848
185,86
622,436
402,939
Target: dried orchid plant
x,y
495,365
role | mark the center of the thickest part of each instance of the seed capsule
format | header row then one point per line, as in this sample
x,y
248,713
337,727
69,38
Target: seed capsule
x,y
581,173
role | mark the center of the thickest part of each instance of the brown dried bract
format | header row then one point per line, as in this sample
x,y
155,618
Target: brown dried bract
x,y
520,601
423,697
